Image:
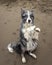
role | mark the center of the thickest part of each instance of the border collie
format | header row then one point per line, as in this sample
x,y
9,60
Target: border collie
x,y
28,36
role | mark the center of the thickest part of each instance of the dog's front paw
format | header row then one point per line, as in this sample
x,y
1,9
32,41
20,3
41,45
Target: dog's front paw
x,y
37,29
23,60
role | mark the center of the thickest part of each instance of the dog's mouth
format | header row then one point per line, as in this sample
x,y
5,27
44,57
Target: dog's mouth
x,y
26,25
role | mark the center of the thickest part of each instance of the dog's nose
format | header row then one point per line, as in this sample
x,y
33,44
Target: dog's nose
x,y
29,21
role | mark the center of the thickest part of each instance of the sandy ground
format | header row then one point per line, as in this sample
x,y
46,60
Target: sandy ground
x,y
10,19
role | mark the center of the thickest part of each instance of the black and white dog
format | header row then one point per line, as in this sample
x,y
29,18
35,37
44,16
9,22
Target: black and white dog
x,y
28,36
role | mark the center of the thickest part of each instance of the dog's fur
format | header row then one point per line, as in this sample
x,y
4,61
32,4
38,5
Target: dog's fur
x,y
28,37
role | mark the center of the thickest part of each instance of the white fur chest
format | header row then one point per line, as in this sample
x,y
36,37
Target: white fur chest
x,y
31,33
31,45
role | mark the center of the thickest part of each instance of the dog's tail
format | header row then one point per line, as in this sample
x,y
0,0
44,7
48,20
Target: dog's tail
x,y
10,48
14,47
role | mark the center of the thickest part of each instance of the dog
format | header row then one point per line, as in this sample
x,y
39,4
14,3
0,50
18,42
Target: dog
x,y
28,36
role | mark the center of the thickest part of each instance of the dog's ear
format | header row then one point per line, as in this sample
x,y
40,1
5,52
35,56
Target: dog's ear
x,y
32,11
22,10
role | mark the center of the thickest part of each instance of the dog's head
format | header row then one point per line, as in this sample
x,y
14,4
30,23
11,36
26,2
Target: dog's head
x,y
27,16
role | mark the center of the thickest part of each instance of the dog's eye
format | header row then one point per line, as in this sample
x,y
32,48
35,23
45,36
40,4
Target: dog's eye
x,y
31,16
24,16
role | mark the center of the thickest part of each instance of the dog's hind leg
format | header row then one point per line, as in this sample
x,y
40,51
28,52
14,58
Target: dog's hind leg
x,y
33,55
23,58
